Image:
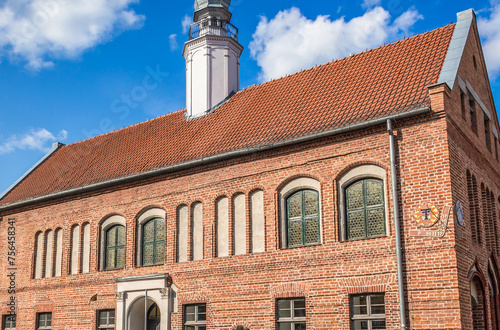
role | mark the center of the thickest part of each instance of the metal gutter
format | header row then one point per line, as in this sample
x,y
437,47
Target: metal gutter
x,y
215,158
397,229
55,146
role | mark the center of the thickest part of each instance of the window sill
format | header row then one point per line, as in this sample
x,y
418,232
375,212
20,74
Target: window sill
x,y
363,239
300,246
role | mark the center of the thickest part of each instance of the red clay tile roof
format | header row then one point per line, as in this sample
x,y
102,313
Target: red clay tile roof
x,y
384,81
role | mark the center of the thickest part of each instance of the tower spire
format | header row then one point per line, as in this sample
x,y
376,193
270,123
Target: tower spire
x,y
212,57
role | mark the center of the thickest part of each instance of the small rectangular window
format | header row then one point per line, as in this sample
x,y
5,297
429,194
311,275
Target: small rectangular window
x,y
195,317
462,104
106,319
473,115
9,322
44,321
496,148
487,134
291,314
368,312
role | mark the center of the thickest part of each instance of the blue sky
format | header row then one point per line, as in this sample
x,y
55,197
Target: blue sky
x,y
70,70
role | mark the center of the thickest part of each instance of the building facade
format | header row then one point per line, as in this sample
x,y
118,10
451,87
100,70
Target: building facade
x,y
274,207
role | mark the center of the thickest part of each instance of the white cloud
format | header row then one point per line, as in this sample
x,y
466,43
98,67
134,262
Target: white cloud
x,y
370,3
38,31
173,42
39,139
186,23
490,32
290,42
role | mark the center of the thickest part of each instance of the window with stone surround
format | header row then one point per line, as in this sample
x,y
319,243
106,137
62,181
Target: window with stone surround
x,y
368,311
9,322
106,319
362,203
115,247
195,317
302,209
151,229
291,314
44,321
300,213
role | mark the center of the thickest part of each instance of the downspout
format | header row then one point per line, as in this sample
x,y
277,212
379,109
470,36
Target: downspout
x,y
399,257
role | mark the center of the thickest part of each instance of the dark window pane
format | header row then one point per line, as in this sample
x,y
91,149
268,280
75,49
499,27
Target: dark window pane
x,y
148,254
160,229
110,259
355,196
300,326
160,252
202,308
120,257
360,310
360,325
378,325
149,231
375,222
295,232
312,231
121,235
310,203
111,237
356,224
378,309
295,206
299,304
374,192
377,300
284,326
359,300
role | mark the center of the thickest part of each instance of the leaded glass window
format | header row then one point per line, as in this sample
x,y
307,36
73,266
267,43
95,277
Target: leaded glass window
x,y
368,312
115,247
9,322
195,317
365,209
303,218
153,242
106,319
44,321
291,314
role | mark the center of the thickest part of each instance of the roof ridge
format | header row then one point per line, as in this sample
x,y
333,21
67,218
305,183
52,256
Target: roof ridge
x,y
345,58
126,127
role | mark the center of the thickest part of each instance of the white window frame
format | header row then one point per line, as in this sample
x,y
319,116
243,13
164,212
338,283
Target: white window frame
x,y
353,175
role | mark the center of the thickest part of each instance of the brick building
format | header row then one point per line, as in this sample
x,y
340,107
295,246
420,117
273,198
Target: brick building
x,y
275,208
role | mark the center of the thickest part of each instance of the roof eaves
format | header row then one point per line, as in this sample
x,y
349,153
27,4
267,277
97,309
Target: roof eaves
x,y
55,147
218,157
456,48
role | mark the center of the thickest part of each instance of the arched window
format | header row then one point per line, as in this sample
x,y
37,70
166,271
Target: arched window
x,y
300,213
153,242
303,218
115,247
362,203
365,209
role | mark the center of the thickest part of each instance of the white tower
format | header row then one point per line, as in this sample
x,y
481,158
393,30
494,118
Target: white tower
x,y
212,57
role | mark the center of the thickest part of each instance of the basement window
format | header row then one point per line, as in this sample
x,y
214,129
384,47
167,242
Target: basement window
x,y
368,312
291,314
9,322
195,317
106,320
44,321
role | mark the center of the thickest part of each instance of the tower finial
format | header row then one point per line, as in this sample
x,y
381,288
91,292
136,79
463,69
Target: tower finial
x,y
201,4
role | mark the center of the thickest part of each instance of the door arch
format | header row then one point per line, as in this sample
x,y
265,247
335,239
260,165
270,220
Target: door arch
x,y
136,316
